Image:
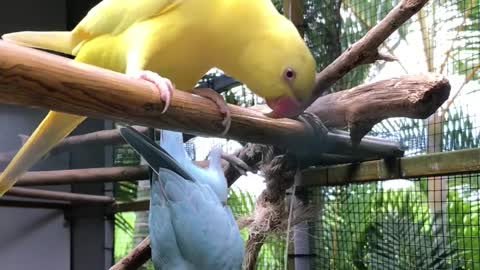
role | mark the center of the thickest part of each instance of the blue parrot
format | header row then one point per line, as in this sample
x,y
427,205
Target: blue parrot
x,y
191,226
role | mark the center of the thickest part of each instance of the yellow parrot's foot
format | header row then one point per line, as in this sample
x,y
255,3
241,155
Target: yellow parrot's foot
x,y
221,103
164,86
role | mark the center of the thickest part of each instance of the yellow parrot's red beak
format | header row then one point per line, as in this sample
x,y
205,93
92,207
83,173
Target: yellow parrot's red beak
x,y
285,107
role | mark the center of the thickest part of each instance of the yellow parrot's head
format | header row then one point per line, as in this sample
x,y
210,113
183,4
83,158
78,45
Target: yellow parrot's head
x,y
278,66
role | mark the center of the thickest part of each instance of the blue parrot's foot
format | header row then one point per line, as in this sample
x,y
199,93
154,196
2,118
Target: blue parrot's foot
x,y
221,103
239,165
163,85
312,121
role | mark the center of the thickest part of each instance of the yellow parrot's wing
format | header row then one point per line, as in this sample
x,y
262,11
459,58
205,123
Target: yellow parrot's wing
x,y
108,17
115,16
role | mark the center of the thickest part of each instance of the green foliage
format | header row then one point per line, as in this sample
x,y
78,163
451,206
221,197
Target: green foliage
x,y
242,203
278,5
124,228
465,29
459,132
349,212
124,155
410,133
464,222
394,241
322,32
367,227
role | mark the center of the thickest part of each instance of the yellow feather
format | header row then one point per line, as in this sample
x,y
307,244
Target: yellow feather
x,y
52,129
53,41
181,40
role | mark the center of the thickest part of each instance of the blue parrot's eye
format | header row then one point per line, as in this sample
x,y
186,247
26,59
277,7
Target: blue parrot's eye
x,y
289,74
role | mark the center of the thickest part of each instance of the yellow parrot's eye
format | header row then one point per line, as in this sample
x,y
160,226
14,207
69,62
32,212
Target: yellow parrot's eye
x,y
289,74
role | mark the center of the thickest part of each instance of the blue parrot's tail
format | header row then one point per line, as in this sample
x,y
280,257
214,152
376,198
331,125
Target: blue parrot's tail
x,y
172,158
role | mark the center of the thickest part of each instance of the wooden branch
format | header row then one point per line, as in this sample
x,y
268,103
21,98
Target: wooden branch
x,y
136,258
57,195
365,50
436,164
95,175
93,139
33,204
30,77
34,78
135,206
99,138
360,108
77,176
414,96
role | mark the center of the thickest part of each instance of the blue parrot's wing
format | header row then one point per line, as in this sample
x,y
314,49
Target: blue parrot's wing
x,y
166,253
190,225
205,229
156,156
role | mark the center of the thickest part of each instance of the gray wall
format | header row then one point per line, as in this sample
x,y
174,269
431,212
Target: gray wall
x,y
31,238
48,239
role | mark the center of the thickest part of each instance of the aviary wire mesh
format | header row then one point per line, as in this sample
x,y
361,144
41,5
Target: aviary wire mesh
x,y
421,223
394,225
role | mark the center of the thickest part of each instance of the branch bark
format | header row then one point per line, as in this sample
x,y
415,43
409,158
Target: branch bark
x,y
365,50
136,258
95,139
94,175
34,204
360,108
33,78
77,176
57,195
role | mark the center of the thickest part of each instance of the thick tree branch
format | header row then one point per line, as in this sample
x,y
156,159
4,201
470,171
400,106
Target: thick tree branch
x,y
136,258
58,195
365,50
33,78
81,176
360,108
93,139
414,96
115,174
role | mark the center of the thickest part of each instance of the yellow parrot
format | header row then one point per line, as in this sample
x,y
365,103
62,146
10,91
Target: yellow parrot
x,y
182,40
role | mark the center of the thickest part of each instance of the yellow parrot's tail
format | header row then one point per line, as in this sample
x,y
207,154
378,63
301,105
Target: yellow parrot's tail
x,y
61,41
53,128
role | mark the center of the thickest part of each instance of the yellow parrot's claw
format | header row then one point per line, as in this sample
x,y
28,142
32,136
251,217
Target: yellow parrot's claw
x,y
163,85
221,103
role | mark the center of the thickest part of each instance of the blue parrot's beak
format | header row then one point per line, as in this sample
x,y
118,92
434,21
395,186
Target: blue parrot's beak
x,y
155,155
